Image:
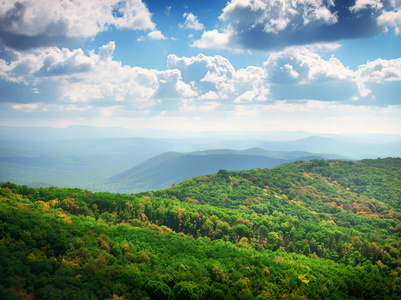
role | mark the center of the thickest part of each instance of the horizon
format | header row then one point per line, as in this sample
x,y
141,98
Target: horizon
x,y
82,132
215,66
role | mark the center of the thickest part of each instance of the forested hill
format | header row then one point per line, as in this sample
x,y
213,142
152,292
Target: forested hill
x,y
304,230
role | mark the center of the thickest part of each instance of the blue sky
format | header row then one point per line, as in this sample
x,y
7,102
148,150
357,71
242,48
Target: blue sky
x,y
325,66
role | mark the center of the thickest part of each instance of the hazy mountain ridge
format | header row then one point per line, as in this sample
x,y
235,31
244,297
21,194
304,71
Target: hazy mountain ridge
x,y
87,132
84,156
168,168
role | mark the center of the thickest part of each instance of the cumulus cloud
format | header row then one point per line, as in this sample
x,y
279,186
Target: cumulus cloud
x,y
276,24
34,23
195,68
215,78
301,65
48,62
391,19
219,40
211,95
94,77
156,35
171,85
380,70
191,22
256,94
366,4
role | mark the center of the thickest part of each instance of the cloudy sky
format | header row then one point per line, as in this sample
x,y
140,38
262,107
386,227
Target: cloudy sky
x,y
328,66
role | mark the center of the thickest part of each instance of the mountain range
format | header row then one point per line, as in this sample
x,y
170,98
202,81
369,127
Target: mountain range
x,y
169,168
126,160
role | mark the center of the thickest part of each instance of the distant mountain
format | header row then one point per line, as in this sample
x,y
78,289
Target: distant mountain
x,y
80,163
89,132
348,147
168,168
83,156
109,146
64,171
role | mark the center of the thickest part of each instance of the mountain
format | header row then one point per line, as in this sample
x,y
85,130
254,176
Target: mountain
x,y
302,230
168,168
79,162
348,147
83,156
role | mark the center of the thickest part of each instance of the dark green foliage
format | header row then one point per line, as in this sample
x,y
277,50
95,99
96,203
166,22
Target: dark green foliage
x,y
319,230
158,290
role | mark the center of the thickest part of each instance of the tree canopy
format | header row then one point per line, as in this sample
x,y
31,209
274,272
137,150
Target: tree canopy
x,y
317,229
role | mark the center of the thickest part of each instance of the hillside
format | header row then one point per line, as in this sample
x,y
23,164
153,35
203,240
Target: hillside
x,y
172,167
308,229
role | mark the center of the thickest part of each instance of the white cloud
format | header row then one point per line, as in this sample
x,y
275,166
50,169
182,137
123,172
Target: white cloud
x,y
391,19
323,47
215,78
366,4
276,24
274,16
191,22
259,94
219,40
47,62
196,68
156,35
301,65
134,15
95,79
380,70
29,107
171,85
211,95
106,51
63,19
363,90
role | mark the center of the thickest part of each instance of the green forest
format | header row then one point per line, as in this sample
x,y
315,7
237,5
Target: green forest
x,y
303,230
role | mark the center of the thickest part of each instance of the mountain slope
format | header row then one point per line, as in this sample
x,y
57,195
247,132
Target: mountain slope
x,y
290,232
169,168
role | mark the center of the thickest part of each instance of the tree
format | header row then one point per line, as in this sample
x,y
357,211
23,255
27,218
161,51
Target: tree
x,y
186,290
263,232
107,217
241,230
158,290
208,227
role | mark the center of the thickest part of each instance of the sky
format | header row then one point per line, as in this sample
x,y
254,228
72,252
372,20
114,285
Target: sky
x,y
327,66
